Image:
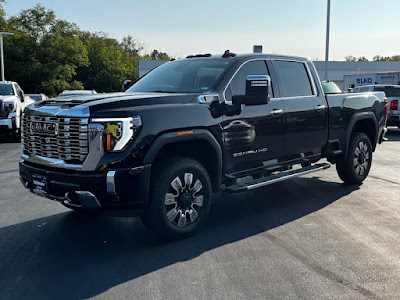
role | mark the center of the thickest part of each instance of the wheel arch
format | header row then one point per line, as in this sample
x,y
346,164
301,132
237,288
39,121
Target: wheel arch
x,y
198,144
365,122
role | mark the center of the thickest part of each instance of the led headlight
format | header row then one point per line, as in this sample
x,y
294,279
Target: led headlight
x,y
118,131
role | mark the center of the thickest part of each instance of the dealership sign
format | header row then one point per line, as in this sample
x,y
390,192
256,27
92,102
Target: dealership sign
x,y
388,79
365,80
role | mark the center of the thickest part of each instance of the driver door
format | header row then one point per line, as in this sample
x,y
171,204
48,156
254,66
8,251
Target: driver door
x,y
254,138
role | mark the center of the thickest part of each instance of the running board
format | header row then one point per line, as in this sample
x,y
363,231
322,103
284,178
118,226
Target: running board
x,y
257,183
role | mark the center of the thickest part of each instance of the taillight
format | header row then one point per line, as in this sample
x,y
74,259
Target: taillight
x,y
394,105
386,107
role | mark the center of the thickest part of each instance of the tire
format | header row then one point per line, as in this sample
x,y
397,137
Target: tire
x,y
355,168
180,198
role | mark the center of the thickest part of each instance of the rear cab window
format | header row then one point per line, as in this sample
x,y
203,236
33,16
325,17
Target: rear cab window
x,y
390,91
294,79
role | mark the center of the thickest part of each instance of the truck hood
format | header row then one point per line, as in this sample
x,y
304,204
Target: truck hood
x,y
104,103
135,99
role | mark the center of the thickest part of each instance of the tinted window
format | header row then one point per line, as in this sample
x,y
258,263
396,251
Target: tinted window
x,y
238,83
363,90
182,76
6,89
389,91
294,79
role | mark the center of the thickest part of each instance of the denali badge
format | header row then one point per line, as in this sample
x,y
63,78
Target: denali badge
x,y
43,128
239,154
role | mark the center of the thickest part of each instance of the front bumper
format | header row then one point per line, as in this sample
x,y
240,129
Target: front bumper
x,y
115,191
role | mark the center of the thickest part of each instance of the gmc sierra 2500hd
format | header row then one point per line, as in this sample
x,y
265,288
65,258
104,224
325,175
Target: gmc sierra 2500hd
x,y
192,127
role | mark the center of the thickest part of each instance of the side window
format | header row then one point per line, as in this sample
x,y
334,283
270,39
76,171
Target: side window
x,y
294,79
238,83
363,89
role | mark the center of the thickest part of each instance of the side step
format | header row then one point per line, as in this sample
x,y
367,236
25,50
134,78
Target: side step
x,y
254,184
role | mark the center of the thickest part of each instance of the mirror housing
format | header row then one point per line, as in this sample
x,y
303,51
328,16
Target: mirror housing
x,y
126,84
256,91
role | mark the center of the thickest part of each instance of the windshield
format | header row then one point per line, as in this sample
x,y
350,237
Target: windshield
x,y
36,97
389,91
330,88
6,90
182,76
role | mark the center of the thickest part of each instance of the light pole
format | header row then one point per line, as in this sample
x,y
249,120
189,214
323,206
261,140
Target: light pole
x,y
328,20
2,53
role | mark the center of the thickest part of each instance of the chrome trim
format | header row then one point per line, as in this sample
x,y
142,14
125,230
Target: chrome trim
x,y
86,194
276,112
208,99
257,185
57,110
319,107
110,182
96,147
52,162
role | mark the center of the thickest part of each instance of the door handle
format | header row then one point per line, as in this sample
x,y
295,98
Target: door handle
x,y
276,112
320,107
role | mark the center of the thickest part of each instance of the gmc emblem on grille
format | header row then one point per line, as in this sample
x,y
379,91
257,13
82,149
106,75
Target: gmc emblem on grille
x,y
43,128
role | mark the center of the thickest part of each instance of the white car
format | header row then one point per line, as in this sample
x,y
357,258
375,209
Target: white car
x,y
12,104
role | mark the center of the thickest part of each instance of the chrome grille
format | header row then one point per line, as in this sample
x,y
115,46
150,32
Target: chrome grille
x,y
3,111
69,143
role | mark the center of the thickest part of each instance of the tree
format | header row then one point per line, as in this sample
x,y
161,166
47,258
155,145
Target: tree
x,y
353,58
350,58
159,55
49,55
44,52
110,62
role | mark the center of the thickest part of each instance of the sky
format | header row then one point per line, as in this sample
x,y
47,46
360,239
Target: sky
x,y
182,27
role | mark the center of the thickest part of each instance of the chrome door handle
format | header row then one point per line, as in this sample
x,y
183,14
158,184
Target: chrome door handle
x,y
320,107
276,112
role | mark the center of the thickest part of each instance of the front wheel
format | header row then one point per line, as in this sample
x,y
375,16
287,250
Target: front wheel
x,y
355,168
180,198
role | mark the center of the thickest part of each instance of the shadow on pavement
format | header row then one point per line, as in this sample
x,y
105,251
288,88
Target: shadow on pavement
x,y
393,134
69,255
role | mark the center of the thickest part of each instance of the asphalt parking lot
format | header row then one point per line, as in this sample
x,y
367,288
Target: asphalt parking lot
x,y
308,238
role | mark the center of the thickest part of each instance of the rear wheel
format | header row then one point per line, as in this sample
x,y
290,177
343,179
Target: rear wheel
x,y
180,198
355,168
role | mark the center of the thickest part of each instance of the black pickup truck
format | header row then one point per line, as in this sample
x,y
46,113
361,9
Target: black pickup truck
x,y
192,127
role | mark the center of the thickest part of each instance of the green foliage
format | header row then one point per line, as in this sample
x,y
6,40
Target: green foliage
x,y
387,58
48,55
159,55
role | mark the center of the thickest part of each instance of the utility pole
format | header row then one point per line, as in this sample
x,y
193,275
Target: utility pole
x,y
328,21
2,53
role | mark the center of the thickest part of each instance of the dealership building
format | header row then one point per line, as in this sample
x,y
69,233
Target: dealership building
x,y
345,74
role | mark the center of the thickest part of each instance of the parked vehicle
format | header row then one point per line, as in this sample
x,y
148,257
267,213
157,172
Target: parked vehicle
x,y
329,87
37,97
192,127
71,93
12,103
392,93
